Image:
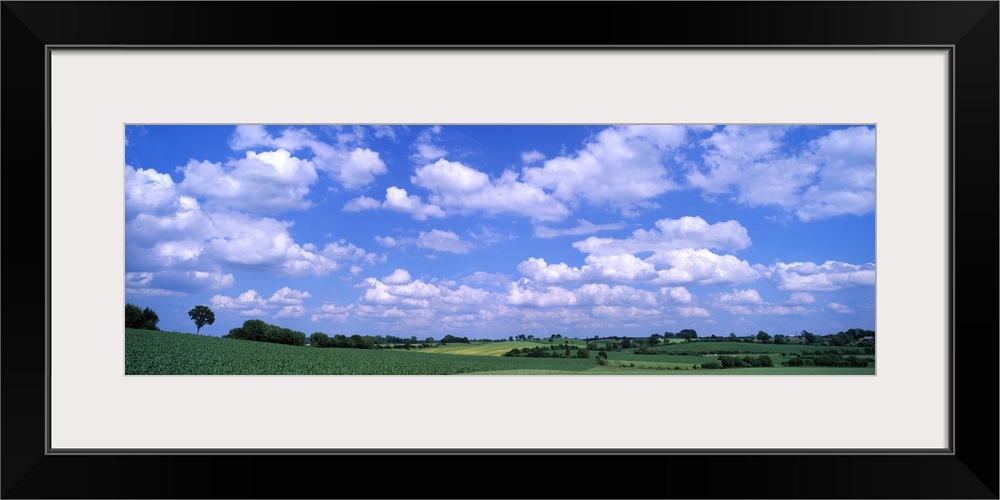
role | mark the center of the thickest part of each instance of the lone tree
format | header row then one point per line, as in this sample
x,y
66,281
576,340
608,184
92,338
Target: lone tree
x,y
201,315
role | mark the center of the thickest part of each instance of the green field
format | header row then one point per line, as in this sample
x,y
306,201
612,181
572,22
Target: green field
x,y
165,353
743,347
168,353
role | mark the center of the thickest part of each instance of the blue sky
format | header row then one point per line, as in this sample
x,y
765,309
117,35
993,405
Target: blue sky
x,y
495,230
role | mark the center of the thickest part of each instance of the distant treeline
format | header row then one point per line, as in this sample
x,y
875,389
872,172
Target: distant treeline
x,y
320,339
553,351
259,331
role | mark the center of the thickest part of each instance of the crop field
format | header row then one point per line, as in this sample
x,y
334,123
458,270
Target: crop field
x,y
163,353
481,348
167,353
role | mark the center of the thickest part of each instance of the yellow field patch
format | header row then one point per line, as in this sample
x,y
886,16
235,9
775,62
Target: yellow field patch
x,y
480,349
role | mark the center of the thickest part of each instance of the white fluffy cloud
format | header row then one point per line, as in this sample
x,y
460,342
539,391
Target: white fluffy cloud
x,y
801,298
398,200
332,312
456,185
812,277
269,182
676,294
287,296
442,241
249,299
620,268
527,293
846,176
290,312
149,191
353,168
250,303
398,277
701,267
196,238
672,234
448,176
676,267
834,175
620,167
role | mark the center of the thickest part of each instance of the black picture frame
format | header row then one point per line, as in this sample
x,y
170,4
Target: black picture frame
x,y
969,470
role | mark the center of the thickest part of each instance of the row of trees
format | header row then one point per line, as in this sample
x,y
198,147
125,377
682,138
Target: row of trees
x,y
548,352
259,331
828,360
738,362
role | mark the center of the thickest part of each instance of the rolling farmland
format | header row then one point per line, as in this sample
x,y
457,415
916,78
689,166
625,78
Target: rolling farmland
x,y
168,353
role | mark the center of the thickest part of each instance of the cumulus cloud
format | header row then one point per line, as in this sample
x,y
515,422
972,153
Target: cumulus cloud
x,y
620,167
416,302
290,312
250,303
249,299
269,182
287,296
676,267
456,185
582,227
812,277
701,267
625,267
397,277
672,234
833,175
398,200
332,312
801,298
450,176
676,294
147,190
442,241
353,168
195,237
846,176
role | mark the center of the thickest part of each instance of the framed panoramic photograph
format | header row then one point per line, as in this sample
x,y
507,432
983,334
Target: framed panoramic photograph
x,y
482,249
726,250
